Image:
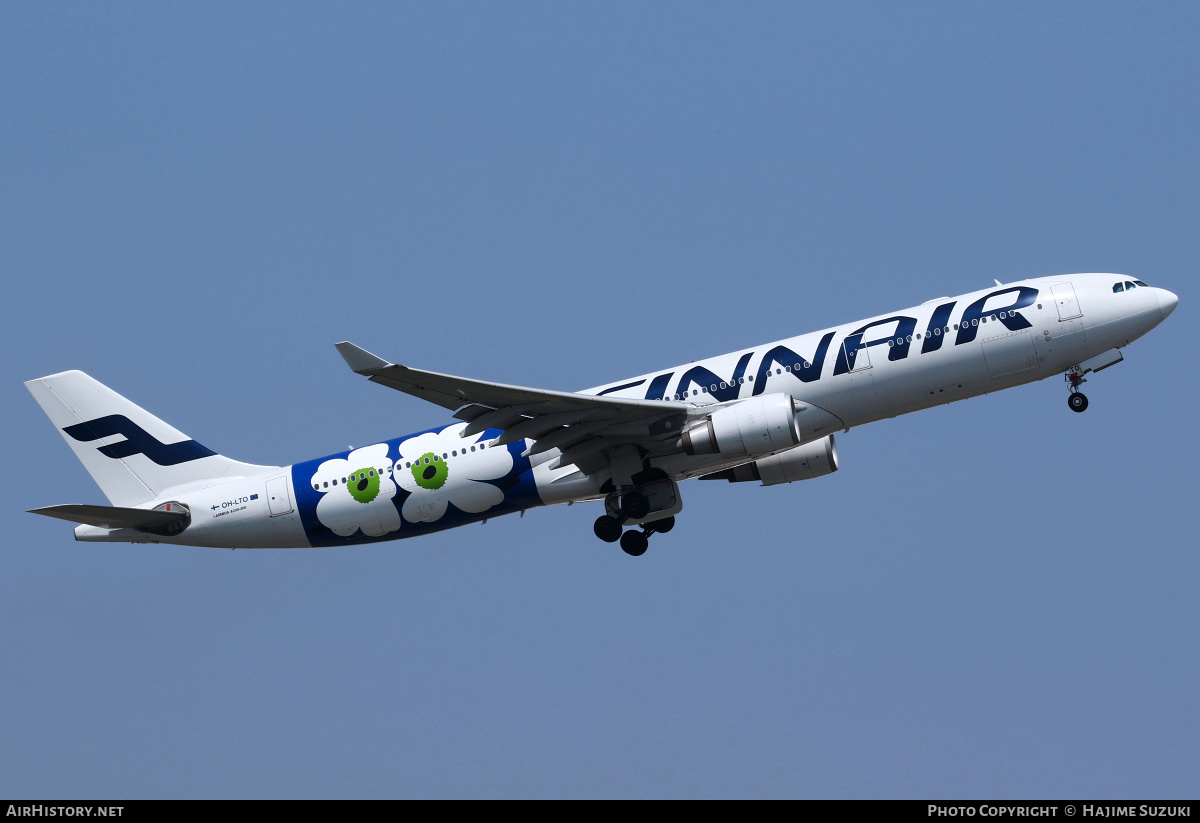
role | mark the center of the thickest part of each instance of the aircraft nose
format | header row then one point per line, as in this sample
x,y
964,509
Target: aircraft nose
x,y
1167,301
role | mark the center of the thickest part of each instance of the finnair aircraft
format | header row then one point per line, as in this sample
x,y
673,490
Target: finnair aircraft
x,y
765,414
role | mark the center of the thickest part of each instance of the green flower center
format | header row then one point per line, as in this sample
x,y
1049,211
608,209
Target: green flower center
x,y
430,471
363,485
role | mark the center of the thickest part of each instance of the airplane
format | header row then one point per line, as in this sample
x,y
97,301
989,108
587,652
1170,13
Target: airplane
x,y
766,414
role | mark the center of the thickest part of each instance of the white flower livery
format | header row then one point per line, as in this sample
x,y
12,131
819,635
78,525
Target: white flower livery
x,y
357,492
438,468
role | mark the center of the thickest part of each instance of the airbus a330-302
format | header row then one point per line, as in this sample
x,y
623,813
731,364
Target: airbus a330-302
x,y
766,414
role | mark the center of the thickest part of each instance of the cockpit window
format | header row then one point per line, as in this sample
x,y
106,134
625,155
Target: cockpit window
x,y
1118,287
1129,285
1140,283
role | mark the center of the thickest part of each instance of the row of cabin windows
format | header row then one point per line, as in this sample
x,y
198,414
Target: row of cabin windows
x,y
369,473
1128,285
898,341
741,380
946,329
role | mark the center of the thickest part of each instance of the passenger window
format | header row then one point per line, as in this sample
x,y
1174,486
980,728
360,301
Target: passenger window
x,y
316,487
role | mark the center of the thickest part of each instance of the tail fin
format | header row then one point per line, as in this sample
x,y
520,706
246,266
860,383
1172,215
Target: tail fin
x,y
131,454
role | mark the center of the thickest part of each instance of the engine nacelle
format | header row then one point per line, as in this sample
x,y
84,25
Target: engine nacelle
x,y
814,459
760,425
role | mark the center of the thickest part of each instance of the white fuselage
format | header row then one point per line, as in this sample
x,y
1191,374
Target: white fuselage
x,y
928,355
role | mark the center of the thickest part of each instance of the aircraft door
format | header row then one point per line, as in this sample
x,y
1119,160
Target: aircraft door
x,y
858,358
1064,300
278,498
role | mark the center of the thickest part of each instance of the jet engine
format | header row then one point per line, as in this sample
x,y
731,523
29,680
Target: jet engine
x,y
814,459
760,425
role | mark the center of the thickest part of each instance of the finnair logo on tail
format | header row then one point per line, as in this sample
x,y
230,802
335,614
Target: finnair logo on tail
x,y
137,441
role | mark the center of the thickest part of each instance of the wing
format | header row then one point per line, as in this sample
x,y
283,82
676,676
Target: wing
x,y
584,427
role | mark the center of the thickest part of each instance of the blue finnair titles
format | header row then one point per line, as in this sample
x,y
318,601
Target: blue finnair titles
x,y
767,414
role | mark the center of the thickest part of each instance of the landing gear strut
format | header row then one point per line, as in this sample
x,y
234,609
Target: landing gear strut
x,y
1077,400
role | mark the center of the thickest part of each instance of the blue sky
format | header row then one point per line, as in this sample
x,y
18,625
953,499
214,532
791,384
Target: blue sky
x,y
990,599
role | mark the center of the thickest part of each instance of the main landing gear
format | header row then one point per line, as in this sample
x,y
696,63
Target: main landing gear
x,y
1077,400
633,506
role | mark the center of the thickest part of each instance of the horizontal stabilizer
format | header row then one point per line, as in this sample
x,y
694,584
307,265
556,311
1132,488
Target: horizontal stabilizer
x,y
113,517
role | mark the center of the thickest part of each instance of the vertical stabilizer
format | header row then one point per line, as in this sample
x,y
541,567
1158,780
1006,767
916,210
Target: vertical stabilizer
x,y
132,455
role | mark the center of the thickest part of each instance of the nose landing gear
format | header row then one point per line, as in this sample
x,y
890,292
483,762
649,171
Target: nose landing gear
x,y
1077,400
1075,374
